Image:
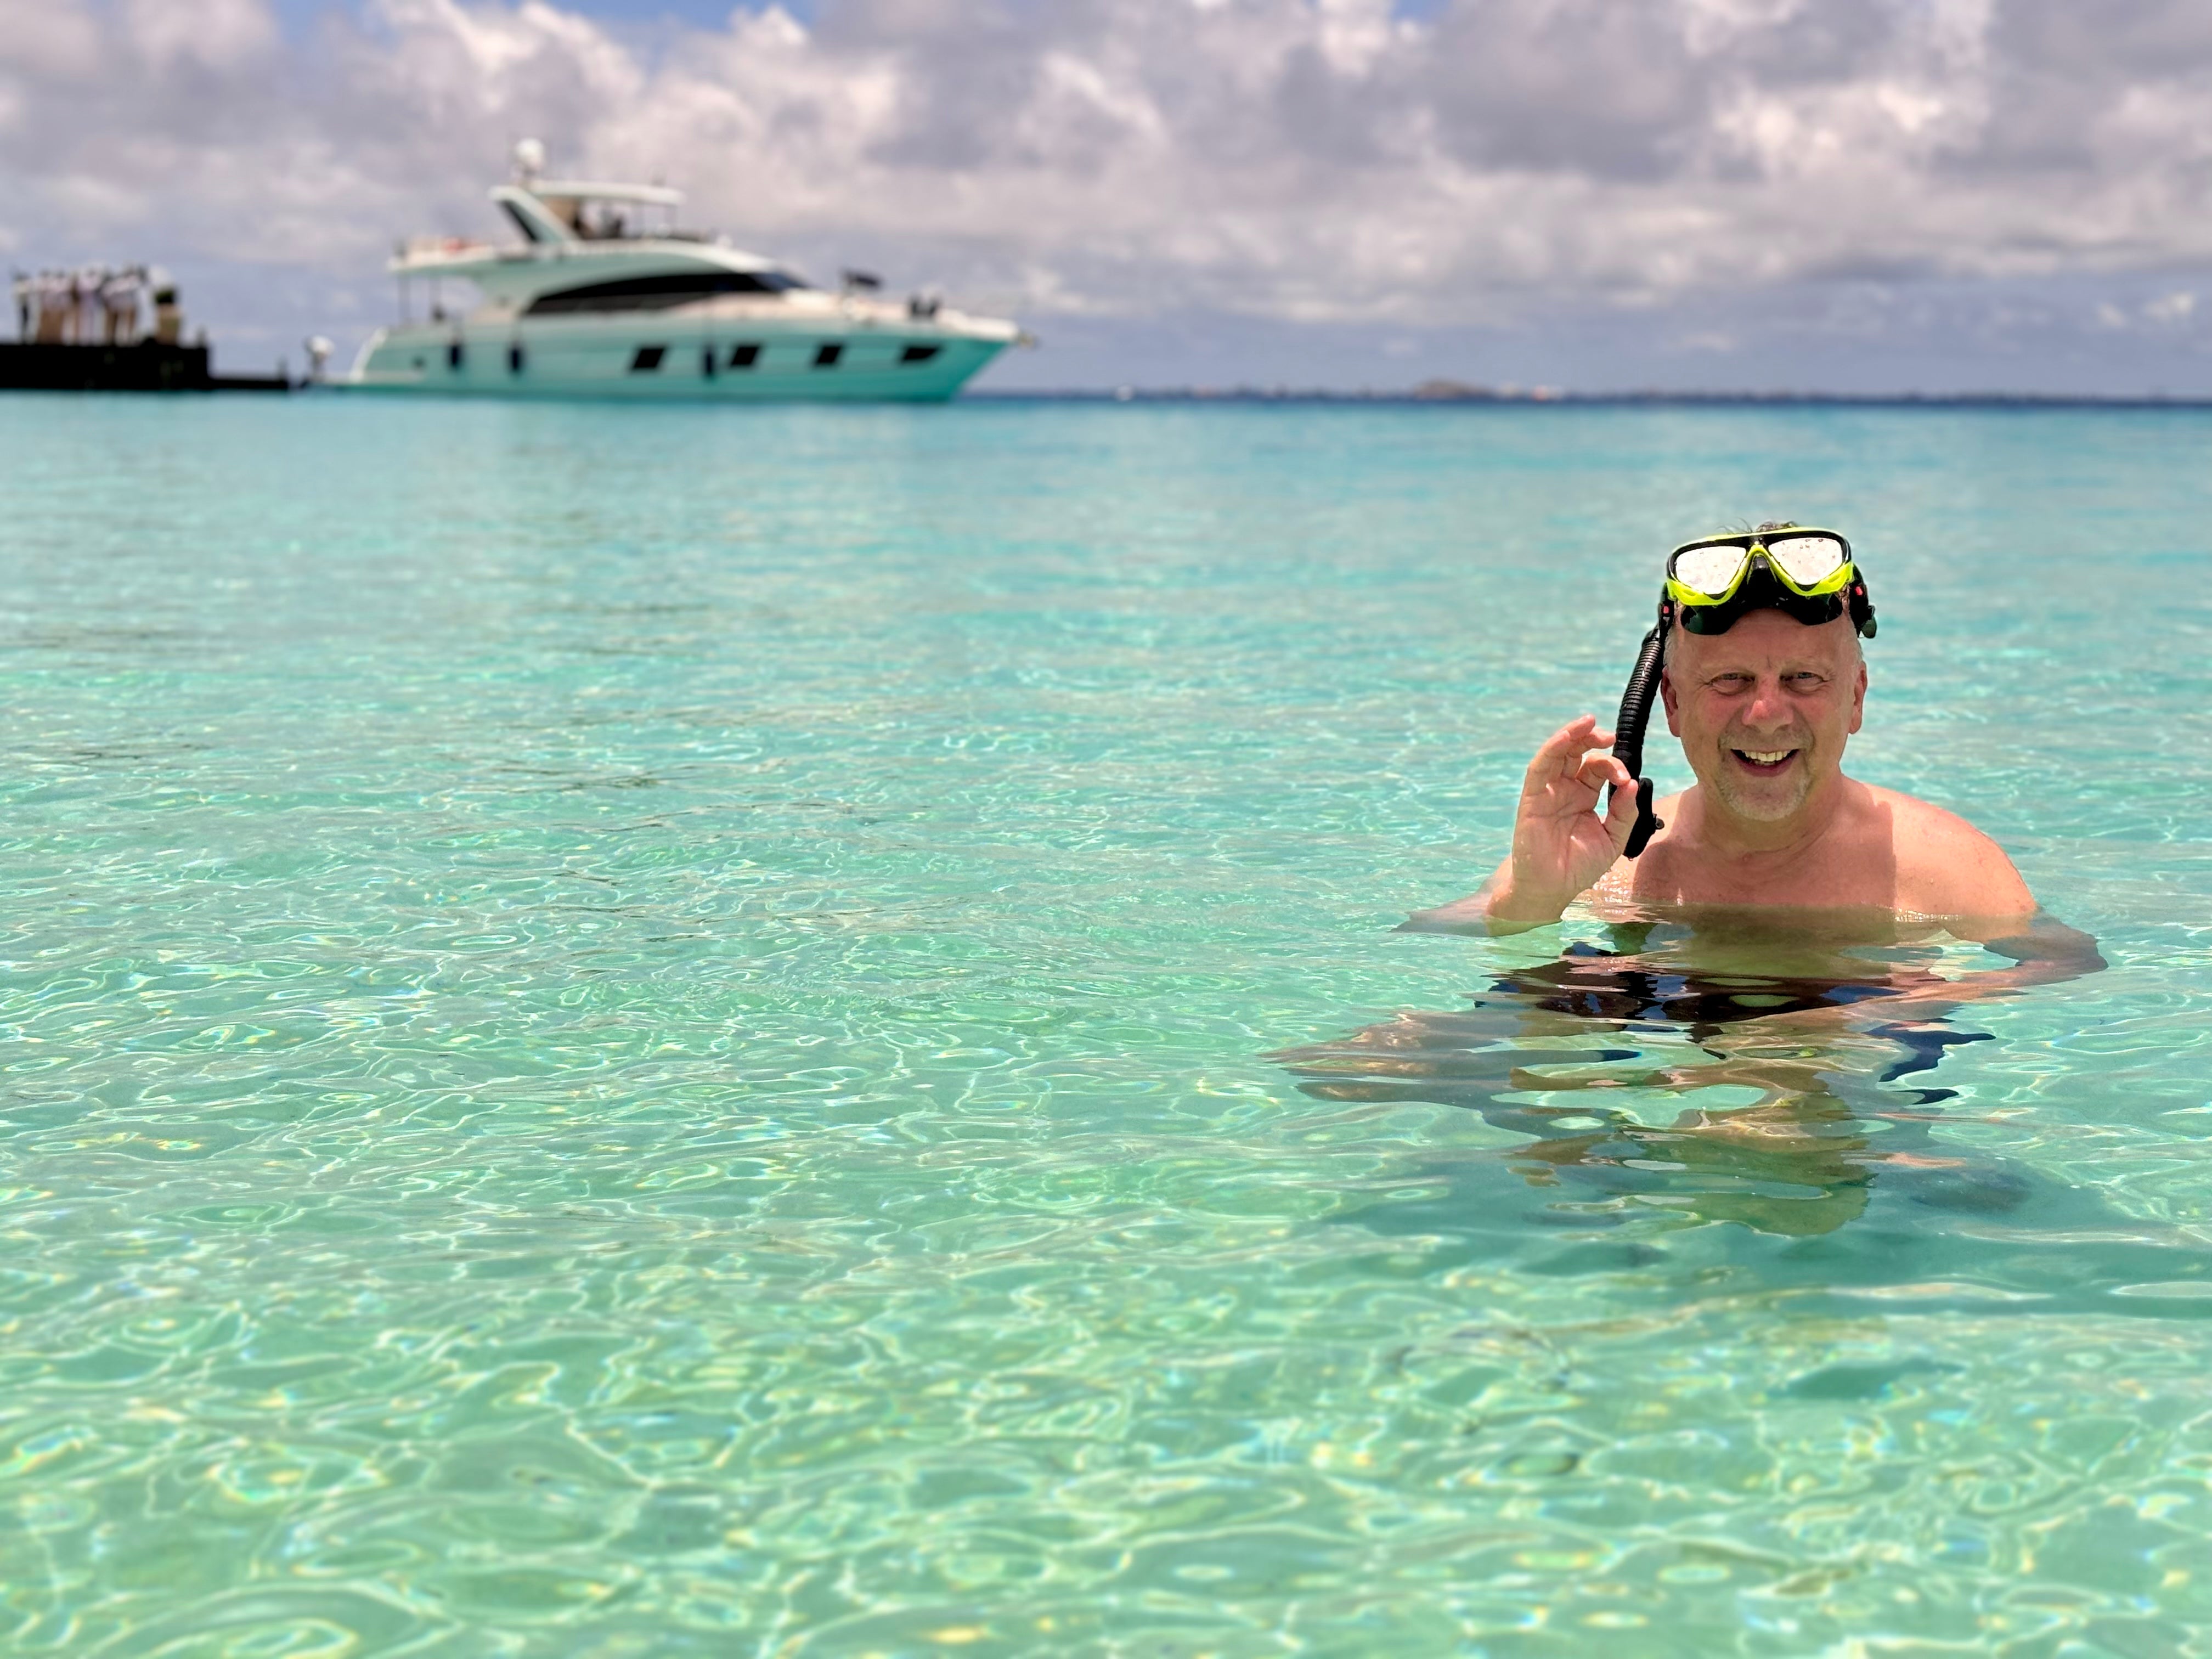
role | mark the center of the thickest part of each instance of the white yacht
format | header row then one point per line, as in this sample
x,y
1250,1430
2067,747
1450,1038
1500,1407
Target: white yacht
x,y
603,299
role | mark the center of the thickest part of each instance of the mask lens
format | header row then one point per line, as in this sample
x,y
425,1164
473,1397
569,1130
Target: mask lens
x,y
1709,569
1806,560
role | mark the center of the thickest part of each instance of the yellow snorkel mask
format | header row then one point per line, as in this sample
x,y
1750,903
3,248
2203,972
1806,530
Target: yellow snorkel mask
x,y
1807,574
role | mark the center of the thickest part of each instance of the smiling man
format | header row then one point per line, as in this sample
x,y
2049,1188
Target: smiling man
x,y
1737,915
1758,658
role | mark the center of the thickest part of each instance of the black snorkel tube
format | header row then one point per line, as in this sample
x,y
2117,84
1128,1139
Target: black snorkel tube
x,y
1628,731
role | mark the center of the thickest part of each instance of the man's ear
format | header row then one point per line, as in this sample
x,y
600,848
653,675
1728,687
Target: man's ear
x,y
1673,709
1858,699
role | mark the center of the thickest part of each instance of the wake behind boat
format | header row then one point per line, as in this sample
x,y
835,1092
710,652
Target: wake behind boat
x,y
592,303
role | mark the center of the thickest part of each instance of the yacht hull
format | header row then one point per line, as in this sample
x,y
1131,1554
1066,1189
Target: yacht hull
x,y
694,359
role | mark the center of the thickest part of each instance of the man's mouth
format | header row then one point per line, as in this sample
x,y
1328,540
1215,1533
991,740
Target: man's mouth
x,y
1766,762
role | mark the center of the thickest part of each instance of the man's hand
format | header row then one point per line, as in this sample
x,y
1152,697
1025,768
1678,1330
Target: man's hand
x,y
1561,847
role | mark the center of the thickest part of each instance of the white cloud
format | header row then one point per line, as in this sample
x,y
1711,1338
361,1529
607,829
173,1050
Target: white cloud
x,y
216,34
1307,159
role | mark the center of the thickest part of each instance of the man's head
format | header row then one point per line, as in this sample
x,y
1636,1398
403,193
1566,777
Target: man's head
x,y
1764,710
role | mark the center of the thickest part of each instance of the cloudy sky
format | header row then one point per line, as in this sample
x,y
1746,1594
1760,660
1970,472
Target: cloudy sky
x,y
1845,194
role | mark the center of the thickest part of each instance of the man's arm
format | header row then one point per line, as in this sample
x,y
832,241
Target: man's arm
x,y
2043,952
1561,847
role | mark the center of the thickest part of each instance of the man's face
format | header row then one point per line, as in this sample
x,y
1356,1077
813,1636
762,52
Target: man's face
x,y
1764,710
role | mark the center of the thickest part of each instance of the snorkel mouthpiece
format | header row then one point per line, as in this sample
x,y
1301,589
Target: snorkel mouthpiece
x,y
1628,732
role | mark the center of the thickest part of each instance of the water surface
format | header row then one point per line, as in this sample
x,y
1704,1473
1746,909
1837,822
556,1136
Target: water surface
x,y
636,1031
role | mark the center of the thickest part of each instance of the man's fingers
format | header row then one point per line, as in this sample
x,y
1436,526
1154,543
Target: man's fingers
x,y
1620,811
1574,735
1599,767
1562,750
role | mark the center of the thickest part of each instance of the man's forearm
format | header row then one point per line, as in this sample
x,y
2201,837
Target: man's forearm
x,y
1510,909
1498,907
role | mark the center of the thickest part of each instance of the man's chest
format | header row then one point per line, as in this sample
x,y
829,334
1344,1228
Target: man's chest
x,y
1865,875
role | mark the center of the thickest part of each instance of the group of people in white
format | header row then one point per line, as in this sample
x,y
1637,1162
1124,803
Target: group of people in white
x,y
95,304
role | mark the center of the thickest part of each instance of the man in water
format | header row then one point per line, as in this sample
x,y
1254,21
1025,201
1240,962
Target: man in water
x,y
1777,927
1764,682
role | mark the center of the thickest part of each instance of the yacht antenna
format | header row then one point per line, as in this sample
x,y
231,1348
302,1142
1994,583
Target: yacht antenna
x,y
529,163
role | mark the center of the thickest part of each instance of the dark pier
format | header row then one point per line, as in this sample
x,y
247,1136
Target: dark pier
x,y
144,366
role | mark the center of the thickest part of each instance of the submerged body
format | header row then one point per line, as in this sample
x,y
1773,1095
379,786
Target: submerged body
x,y
1627,1064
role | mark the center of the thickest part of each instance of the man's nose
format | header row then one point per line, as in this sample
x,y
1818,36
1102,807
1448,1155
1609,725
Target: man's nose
x,y
1768,706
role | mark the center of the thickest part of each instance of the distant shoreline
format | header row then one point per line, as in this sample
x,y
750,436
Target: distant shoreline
x,y
1452,394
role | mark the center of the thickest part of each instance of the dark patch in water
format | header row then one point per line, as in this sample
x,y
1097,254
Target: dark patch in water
x,y
1608,1256
1926,1045
1978,1189
1862,1381
1540,1465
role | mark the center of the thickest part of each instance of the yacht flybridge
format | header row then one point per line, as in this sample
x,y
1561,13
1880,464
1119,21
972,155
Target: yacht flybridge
x,y
600,299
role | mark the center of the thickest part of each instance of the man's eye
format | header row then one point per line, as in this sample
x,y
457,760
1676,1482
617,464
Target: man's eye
x,y
1807,682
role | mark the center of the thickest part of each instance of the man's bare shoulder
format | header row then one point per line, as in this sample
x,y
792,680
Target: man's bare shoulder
x,y
1945,867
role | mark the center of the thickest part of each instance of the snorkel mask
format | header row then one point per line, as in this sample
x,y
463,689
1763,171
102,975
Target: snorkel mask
x,y
1808,574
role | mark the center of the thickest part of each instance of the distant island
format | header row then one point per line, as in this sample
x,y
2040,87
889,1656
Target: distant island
x,y
1462,392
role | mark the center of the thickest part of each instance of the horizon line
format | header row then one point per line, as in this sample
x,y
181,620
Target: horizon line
x,y
1456,396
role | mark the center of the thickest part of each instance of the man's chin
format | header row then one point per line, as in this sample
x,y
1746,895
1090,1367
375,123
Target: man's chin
x,y
1762,808
1760,794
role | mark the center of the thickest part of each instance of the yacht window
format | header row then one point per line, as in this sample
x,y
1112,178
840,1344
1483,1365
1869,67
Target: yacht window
x,y
745,357
707,361
918,354
676,287
648,359
827,354
514,358
453,355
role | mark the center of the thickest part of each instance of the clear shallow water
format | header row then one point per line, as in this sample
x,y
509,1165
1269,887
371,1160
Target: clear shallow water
x,y
656,1032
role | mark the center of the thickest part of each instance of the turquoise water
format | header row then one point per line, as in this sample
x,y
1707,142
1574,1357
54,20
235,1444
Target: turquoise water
x,y
650,1032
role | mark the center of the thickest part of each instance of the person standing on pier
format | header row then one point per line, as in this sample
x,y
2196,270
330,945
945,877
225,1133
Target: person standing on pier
x,y
118,299
51,297
168,318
